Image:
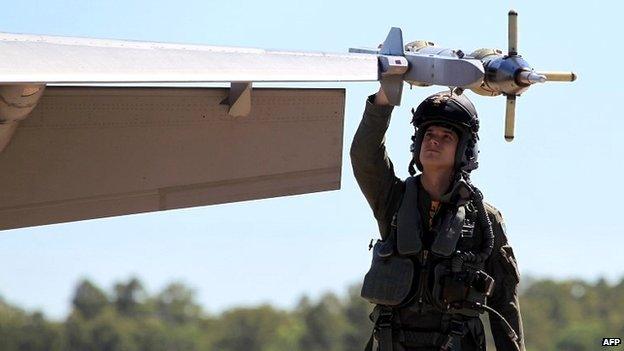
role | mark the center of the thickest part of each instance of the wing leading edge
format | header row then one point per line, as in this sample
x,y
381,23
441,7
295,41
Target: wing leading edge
x,y
37,59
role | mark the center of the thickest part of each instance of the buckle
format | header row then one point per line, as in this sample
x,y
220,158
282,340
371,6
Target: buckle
x,y
456,327
447,344
384,320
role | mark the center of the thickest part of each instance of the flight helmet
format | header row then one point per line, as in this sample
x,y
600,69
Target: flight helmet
x,y
453,111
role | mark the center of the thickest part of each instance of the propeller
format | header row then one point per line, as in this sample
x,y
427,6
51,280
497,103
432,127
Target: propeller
x,y
512,50
511,75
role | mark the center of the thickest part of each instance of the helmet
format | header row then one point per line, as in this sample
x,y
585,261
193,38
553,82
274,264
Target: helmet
x,y
453,111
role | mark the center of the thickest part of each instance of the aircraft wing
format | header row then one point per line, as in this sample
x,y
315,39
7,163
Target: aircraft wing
x,y
79,152
90,152
47,59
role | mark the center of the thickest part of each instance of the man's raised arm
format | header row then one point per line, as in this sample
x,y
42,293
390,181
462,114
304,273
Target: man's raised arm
x,y
372,167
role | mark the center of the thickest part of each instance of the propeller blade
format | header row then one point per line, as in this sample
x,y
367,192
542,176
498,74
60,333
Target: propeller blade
x,y
510,117
512,33
557,76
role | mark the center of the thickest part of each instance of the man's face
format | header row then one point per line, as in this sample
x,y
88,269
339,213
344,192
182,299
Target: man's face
x,y
438,148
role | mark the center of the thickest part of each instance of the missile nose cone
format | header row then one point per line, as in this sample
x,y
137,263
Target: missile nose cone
x,y
536,78
530,77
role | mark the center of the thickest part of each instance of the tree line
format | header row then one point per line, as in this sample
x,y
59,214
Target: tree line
x,y
570,315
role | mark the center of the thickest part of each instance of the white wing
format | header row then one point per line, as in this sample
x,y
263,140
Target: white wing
x,y
46,59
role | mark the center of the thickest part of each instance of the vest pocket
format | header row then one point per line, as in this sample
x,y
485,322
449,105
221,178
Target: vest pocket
x,y
389,279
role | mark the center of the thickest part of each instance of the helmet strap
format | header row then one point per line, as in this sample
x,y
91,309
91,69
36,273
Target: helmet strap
x,y
410,168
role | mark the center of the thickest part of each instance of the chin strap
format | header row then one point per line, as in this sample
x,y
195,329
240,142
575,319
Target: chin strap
x,y
410,168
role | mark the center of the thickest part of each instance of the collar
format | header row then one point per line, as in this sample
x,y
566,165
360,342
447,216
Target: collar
x,y
459,193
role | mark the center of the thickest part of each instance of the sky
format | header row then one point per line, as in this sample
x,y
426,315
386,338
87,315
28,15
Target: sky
x,y
558,184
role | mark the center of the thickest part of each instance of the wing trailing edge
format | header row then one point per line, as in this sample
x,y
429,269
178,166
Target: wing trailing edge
x,y
92,152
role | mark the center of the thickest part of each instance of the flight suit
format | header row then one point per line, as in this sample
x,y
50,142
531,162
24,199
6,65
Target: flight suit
x,y
375,175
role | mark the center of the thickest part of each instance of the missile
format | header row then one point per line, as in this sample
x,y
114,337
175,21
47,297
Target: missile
x,y
487,72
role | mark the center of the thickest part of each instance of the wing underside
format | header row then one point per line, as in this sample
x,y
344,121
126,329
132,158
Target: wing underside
x,y
91,152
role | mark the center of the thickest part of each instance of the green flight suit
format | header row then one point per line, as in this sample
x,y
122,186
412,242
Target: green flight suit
x,y
375,175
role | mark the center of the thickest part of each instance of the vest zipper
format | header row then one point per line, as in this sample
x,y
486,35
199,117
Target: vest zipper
x,y
423,277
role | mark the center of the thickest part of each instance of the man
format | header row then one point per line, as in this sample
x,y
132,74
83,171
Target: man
x,y
441,246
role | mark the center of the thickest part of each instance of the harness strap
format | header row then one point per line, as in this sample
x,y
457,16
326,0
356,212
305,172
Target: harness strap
x,y
369,343
412,338
456,329
382,316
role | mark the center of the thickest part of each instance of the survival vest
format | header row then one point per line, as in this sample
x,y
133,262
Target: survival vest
x,y
404,272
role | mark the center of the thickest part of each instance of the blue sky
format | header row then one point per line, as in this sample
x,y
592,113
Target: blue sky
x,y
557,184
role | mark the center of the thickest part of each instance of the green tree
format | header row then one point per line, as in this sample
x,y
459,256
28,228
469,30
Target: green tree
x,y
250,329
105,334
129,298
176,305
76,337
89,300
21,331
570,315
581,336
39,334
150,334
356,312
324,324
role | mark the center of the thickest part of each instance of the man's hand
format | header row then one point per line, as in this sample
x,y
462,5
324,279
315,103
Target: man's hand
x,y
381,98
